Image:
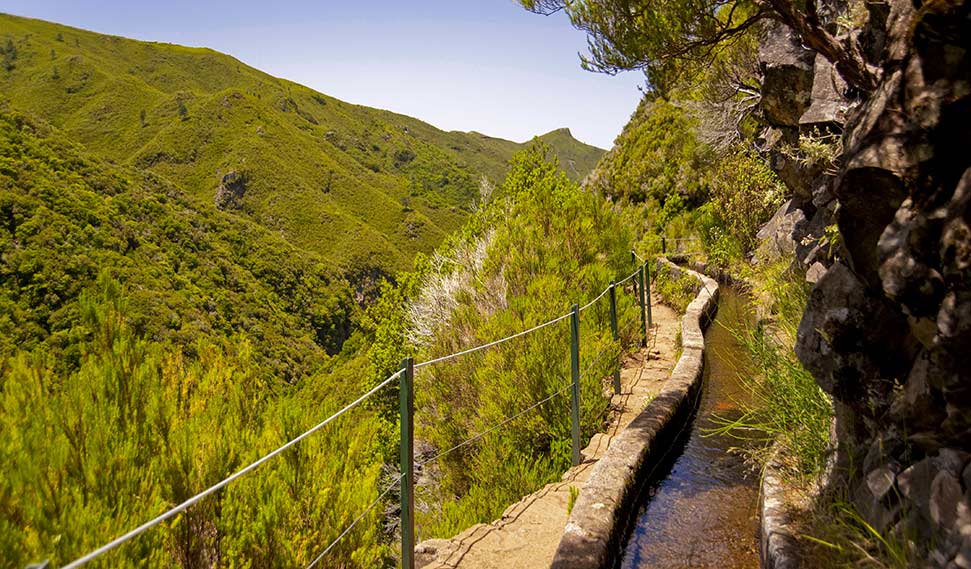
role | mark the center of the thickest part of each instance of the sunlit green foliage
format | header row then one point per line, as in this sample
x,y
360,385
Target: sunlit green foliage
x,y
677,187
193,272
667,40
656,156
745,193
139,427
546,244
363,188
676,291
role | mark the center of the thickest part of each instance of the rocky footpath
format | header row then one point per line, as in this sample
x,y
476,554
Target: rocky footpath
x,y
887,330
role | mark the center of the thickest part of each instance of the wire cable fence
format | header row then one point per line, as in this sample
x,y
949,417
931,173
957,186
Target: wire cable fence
x,y
495,427
354,523
494,343
224,482
405,377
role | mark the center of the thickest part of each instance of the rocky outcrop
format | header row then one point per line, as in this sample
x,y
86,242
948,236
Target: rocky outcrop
x,y
787,82
776,236
229,194
827,107
802,96
787,75
888,327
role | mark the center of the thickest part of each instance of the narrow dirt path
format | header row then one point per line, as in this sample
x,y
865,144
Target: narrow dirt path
x,y
528,532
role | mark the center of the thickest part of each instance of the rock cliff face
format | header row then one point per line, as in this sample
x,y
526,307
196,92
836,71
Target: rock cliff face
x,y
888,327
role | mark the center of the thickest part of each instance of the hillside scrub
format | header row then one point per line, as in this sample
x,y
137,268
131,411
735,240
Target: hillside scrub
x,y
191,271
539,246
139,427
702,200
676,292
364,189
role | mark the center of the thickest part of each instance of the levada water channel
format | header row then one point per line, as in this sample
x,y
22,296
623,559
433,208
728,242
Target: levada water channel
x,y
699,507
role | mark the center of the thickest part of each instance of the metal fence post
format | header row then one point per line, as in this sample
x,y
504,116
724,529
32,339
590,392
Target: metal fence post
x,y
664,246
640,296
613,328
407,410
647,288
575,387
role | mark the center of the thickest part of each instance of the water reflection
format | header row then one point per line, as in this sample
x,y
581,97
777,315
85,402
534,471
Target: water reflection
x,y
703,513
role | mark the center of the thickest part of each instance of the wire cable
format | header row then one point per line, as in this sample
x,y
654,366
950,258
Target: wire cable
x,y
634,253
354,523
491,344
592,302
627,278
675,239
215,487
596,360
494,427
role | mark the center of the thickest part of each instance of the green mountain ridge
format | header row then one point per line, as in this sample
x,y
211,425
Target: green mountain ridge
x,y
191,272
364,188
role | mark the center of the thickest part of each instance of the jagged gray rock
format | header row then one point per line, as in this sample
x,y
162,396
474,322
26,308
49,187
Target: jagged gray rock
x,y
887,329
828,106
787,70
775,237
229,194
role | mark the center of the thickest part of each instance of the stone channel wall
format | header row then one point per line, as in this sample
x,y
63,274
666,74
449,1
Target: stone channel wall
x,y
600,517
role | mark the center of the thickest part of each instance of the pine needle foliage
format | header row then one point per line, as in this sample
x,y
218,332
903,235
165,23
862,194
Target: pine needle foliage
x,y
549,244
138,428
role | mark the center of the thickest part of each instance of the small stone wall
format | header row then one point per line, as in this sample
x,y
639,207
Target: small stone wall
x,y
600,516
777,545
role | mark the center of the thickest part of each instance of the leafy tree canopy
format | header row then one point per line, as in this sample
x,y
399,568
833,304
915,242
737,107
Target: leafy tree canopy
x,y
666,38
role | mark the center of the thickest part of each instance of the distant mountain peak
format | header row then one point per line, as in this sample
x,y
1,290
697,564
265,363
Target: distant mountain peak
x,y
564,131
563,136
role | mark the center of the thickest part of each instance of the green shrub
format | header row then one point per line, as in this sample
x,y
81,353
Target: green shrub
x,y
140,427
745,194
677,292
538,247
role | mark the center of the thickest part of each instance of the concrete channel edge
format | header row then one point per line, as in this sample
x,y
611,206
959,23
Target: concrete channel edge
x,y
778,547
599,519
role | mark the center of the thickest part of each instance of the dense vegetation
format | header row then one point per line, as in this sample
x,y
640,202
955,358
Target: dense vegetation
x,y
184,258
110,412
148,349
539,246
681,186
192,272
185,248
363,188
140,426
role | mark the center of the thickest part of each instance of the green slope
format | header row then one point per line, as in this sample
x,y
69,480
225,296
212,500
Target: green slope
x,y
577,159
362,187
191,272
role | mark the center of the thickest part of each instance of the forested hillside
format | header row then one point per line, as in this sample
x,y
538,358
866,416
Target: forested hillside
x,y
200,261
361,187
197,263
192,272
151,413
542,245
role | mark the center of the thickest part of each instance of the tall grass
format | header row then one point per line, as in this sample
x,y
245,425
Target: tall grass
x,y
841,537
786,405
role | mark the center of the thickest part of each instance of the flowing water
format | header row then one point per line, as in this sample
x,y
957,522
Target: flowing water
x,y
702,510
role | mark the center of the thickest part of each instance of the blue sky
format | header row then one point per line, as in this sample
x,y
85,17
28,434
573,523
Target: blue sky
x,y
485,65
